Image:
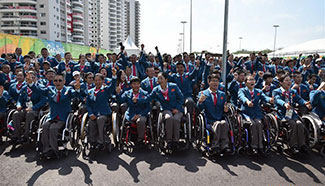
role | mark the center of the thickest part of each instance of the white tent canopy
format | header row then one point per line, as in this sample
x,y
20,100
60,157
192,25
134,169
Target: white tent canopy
x,y
306,48
130,47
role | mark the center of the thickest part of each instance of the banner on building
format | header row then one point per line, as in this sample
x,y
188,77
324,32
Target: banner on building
x,y
8,44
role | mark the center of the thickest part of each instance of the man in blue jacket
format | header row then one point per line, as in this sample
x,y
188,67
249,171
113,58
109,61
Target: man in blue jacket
x,y
138,106
213,102
251,99
317,100
29,104
59,98
97,105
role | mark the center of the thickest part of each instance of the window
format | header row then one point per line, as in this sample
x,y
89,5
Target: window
x,y
41,5
43,14
43,23
43,31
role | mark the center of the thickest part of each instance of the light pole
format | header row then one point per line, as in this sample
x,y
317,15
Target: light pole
x,y
224,53
183,22
191,29
182,38
275,29
240,38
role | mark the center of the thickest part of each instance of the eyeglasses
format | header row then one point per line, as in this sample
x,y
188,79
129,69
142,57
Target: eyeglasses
x,y
58,80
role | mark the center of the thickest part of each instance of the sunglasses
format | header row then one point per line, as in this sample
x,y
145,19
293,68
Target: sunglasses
x,y
58,80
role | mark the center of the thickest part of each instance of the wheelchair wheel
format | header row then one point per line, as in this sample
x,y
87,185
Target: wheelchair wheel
x,y
150,133
312,124
73,132
188,129
84,121
232,136
39,146
272,129
125,144
115,128
9,124
199,132
160,134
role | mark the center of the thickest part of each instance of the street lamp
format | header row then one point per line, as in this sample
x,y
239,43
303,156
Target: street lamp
x,y
240,38
225,38
183,22
182,43
191,29
275,29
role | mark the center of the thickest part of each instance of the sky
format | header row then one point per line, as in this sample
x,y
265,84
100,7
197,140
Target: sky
x,y
253,20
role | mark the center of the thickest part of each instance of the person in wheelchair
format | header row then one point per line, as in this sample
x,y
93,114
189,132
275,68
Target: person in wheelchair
x,y
171,100
285,99
213,102
97,105
4,98
29,104
317,100
59,98
251,99
183,80
138,107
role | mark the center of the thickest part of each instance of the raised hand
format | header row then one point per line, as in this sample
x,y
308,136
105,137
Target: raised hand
x,y
197,63
250,104
114,71
272,100
1,90
225,107
202,98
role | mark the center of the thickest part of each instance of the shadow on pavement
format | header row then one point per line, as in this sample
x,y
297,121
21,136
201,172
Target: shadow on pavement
x,y
63,165
191,161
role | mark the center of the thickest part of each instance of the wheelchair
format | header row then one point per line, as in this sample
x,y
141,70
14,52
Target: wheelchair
x,y
32,128
270,133
108,129
67,135
129,135
185,133
279,131
204,135
316,131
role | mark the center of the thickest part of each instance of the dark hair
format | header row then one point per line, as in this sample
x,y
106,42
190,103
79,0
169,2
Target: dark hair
x,y
100,75
66,53
27,56
60,74
295,74
81,55
247,76
280,71
240,71
88,74
3,55
31,52
102,69
213,76
281,79
43,49
135,79
51,70
165,74
119,75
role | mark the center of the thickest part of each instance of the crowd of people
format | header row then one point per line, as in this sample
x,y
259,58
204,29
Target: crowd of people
x,y
191,81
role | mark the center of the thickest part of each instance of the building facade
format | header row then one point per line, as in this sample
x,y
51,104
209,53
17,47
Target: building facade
x,y
103,23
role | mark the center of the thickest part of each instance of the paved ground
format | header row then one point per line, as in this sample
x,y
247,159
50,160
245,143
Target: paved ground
x,y
20,167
